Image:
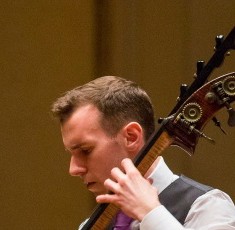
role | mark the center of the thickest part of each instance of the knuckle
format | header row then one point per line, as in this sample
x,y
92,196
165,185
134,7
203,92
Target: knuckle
x,y
133,173
122,181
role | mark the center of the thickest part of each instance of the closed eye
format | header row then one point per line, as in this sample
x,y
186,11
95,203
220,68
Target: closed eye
x,y
86,150
76,149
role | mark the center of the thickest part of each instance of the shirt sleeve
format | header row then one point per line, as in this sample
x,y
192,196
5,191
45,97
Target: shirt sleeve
x,y
211,211
160,219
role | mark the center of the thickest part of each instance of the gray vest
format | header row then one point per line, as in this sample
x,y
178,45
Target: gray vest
x,y
180,195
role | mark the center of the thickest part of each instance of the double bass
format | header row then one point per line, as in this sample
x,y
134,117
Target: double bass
x,y
196,106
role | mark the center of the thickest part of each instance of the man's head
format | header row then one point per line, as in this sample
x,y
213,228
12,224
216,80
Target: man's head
x,y
119,101
103,122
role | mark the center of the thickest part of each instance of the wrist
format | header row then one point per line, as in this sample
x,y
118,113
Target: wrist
x,y
145,212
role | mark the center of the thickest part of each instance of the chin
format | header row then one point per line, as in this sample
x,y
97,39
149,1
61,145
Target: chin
x,y
97,192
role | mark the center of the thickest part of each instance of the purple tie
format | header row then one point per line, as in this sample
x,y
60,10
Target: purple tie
x,y
122,222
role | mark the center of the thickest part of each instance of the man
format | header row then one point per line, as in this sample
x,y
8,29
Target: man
x,y
104,124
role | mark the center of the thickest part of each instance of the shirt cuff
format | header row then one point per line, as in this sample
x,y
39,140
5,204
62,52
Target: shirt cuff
x,y
160,219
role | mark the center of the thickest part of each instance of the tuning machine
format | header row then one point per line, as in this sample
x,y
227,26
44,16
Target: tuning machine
x,y
188,118
192,112
224,90
229,89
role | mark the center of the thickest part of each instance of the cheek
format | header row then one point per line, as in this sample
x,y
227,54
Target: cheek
x,y
104,166
108,159
112,160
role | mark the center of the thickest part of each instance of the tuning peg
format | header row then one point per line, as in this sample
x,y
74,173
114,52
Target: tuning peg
x,y
218,124
231,118
183,90
160,120
218,41
201,134
200,66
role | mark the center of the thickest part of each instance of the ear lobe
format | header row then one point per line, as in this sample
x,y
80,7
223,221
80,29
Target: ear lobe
x,y
133,133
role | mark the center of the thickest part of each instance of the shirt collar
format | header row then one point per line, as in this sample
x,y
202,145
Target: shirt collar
x,y
162,176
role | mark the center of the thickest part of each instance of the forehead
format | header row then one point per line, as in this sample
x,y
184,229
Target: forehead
x,y
83,122
82,116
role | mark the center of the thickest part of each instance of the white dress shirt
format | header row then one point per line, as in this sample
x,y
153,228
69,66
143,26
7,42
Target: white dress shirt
x,y
211,211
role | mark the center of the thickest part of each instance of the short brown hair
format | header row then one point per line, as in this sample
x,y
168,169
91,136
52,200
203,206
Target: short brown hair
x,y
119,100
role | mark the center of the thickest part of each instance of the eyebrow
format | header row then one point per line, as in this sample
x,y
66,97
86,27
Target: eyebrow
x,y
76,146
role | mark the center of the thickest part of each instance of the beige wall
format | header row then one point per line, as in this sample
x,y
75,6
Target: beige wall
x,y
48,47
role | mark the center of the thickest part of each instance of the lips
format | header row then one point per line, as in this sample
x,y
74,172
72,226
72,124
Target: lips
x,y
89,185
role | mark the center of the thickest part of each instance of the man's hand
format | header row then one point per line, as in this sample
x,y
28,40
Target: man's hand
x,y
131,191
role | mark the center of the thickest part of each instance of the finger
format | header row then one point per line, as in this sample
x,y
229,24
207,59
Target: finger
x,y
117,174
129,166
111,185
105,198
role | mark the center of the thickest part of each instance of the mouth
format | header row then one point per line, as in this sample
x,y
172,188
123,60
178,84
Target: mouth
x,y
89,185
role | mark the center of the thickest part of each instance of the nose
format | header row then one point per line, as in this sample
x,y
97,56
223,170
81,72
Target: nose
x,y
77,167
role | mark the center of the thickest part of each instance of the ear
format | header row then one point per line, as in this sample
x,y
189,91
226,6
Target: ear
x,y
134,137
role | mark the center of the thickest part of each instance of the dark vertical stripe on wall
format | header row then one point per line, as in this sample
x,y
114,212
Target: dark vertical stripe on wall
x,y
103,22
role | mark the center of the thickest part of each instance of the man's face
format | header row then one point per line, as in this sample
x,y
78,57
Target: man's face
x,y
93,152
